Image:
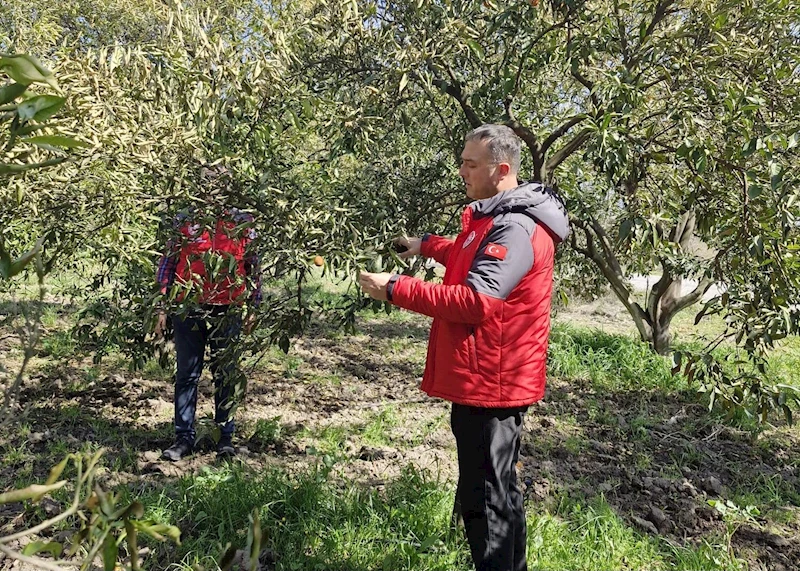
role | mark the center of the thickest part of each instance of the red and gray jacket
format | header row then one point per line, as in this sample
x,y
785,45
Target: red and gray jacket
x,y
488,341
212,261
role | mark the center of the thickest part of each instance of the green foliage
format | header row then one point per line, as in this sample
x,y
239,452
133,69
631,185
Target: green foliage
x,y
104,524
267,431
738,382
670,127
25,113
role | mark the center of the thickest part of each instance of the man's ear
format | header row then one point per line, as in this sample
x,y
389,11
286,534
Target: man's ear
x,y
503,169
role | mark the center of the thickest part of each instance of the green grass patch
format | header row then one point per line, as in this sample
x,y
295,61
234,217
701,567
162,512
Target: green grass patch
x,y
328,439
612,362
268,431
311,523
589,534
766,491
59,345
314,523
424,430
377,430
785,362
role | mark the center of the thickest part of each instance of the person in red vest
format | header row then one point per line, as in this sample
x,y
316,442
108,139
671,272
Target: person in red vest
x,y
488,341
208,272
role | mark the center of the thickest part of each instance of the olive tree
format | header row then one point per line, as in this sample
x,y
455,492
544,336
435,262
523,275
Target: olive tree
x,y
647,115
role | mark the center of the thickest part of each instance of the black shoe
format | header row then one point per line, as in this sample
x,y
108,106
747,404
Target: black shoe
x,y
225,447
177,451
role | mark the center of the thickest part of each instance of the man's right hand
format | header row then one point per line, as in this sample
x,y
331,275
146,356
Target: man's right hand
x,y
413,246
161,324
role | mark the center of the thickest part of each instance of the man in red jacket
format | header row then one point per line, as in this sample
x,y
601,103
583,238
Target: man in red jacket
x,y
488,341
208,272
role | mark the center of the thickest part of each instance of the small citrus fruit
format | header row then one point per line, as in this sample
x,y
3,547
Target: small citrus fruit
x,y
318,260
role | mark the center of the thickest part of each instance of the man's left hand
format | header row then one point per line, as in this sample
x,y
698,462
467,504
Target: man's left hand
x,y
248,323
374,285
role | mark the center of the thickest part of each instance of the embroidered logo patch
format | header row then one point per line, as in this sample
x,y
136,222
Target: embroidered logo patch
x,y
496,251
469,239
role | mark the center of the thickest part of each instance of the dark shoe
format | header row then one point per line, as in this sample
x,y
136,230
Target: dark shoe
x,y
177,451
225,447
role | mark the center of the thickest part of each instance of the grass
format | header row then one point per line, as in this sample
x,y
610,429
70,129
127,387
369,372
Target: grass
x,y
314,523
785,362
329,440
609,362
423,430
587,536
377,431
314,519
267,431
767,491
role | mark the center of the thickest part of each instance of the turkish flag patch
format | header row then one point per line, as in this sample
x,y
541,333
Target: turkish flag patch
x,y
496,251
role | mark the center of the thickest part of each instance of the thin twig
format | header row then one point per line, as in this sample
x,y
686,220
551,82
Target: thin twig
x,y
35,561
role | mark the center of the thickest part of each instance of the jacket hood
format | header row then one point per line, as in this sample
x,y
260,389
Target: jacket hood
x,y
532,199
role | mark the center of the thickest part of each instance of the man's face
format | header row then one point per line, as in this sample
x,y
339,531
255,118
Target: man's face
x,y
478,170
213,189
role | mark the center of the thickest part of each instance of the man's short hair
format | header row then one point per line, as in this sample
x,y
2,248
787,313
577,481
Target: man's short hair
x,y
209,172
214,177
502,142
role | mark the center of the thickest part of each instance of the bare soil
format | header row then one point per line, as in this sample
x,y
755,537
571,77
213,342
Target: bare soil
x,y
656,459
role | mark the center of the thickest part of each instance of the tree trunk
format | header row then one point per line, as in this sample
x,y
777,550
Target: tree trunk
x,y
661,339
664,300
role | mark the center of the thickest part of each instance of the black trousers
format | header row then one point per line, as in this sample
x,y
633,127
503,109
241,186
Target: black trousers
x,y
488,497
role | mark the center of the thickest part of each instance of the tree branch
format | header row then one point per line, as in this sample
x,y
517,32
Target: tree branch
x,y
615,280
33,561
527,54
588,85
573,242
564,152
601,234
623,36
681,303
449,131
684,229
528,136
561,131
660,13
720,160
454,91
657,292
661,306
653,82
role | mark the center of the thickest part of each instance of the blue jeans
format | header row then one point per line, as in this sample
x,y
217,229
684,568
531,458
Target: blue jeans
x,y
217,326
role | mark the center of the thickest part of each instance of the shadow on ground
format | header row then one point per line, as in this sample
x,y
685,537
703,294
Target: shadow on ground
x,y
655,455
662,461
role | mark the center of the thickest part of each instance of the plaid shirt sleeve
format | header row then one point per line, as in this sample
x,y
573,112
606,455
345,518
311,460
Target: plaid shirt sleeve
x,y
253,269
165,274
252,263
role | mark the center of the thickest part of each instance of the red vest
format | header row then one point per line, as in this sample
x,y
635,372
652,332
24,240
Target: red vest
x,y
499,362
211,265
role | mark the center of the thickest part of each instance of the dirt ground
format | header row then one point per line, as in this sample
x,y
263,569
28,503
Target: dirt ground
x,y
656,459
